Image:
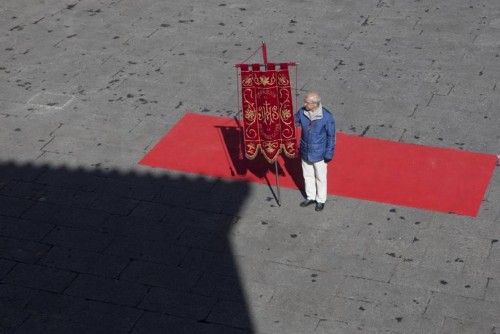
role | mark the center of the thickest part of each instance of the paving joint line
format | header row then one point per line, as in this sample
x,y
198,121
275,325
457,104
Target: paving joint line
x,y
138,318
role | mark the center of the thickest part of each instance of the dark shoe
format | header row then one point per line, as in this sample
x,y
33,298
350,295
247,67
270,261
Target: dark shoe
x,y
307,202
319,206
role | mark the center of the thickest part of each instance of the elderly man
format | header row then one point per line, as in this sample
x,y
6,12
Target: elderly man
x,y
317,146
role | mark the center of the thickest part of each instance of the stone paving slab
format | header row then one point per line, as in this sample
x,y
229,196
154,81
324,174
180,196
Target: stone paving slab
x,y
85,262
22,250
39,277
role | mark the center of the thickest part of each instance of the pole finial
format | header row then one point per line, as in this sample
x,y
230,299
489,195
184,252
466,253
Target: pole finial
x,y
264,52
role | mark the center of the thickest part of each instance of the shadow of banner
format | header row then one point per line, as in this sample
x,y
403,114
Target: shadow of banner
x,y
259,166
109,252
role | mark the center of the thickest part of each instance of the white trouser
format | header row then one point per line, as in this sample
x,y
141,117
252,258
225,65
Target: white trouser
x,y
315,180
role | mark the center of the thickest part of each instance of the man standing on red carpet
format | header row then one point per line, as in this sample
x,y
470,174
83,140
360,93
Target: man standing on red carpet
x,y
317,146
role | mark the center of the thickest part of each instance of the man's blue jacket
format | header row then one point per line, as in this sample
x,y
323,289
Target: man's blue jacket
x,y
318,137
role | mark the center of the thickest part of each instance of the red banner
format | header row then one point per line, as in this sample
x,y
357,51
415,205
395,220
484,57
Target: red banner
x,y
268,122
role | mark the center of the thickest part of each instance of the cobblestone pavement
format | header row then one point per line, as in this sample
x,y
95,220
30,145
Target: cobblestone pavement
x,y
90,242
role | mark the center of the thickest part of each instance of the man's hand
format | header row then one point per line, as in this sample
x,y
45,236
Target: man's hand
x,y
327,160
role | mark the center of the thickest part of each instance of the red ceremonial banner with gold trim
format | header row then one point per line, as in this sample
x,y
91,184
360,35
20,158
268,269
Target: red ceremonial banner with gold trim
x,y
268,121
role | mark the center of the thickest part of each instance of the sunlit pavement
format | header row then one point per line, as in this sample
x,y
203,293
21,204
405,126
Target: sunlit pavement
x,y
91,242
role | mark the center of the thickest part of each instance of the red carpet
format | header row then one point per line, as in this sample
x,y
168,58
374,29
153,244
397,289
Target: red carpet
x,y
439,179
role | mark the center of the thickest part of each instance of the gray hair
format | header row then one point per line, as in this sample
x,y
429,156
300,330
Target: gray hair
x,y
313,95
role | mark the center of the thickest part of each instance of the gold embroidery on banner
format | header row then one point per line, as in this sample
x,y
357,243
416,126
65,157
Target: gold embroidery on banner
x,y
251,150
290,149
247,81
270,147
286,115
264,80
266,92
248,95
287,148
282,79
287,132
284,95
250,114
268,135
268,114
251,147
251,133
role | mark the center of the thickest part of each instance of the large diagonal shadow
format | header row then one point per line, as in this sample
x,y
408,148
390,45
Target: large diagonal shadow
x,y
103,252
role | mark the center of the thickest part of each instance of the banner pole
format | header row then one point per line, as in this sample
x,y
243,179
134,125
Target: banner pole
x,y
278,199
264,53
